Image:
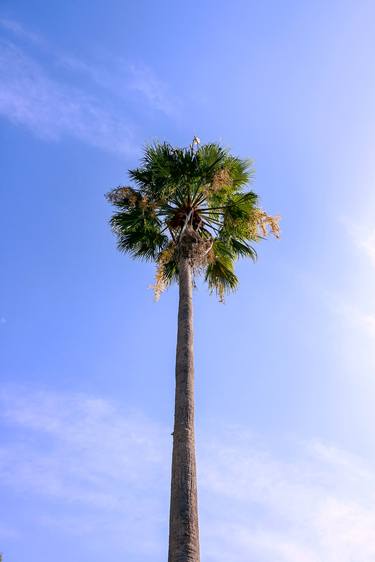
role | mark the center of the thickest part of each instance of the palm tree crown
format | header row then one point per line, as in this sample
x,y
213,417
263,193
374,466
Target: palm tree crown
x,y
190,202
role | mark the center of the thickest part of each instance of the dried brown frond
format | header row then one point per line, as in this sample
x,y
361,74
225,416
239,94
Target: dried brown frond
x,y
221,179
264,224
143,202
121,194
161,280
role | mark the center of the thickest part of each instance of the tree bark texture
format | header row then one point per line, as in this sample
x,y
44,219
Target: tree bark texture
x,y
183,525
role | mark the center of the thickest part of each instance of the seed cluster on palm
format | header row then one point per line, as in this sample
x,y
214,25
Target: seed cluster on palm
x,y
191,200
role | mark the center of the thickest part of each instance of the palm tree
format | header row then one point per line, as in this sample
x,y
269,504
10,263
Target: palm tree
x,y
190,213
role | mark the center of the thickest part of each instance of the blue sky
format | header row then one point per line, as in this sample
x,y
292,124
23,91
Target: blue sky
x,y
285,382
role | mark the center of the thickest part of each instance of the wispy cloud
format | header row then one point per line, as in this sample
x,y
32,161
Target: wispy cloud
x,y
144,81
120,78
81,452
16,28
316,506
91,459
354,315
97,435
53,110
362,236
357,307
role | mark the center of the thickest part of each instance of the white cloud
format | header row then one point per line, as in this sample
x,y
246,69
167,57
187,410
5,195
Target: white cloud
x,y
119,77
91,442
357,307
52,110
362,235
144,81
354,316
17,29
315,504
97,464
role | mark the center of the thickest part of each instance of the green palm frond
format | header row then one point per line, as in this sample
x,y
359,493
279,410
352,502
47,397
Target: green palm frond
x,y
241,171
243,249
200,191
139,233
220,274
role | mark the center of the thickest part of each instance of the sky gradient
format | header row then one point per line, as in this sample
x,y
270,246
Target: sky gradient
x,y
285,369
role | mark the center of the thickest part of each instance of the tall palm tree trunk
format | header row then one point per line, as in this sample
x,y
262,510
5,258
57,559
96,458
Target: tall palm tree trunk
x,y
183,525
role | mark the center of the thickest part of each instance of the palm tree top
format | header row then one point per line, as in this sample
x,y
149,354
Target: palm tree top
x,y
190,203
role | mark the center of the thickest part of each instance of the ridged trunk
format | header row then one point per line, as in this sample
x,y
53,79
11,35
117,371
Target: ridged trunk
x,y
183,525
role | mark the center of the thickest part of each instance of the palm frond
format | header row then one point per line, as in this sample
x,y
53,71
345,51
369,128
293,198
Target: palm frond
x,y
139,233
166,270
243,249
123,196
200,190
220,274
